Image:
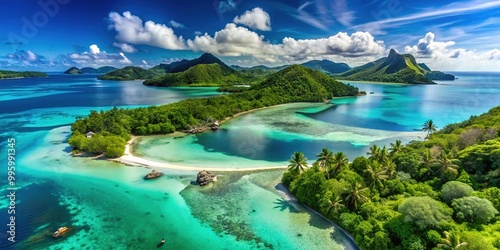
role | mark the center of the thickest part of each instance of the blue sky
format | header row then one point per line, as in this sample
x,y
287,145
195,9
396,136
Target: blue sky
x,y
52,35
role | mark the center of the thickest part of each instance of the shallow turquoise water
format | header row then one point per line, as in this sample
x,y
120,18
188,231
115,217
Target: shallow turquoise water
x,y
108,205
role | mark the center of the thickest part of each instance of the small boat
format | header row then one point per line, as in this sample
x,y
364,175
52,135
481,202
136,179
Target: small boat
x,y
60,231
371,93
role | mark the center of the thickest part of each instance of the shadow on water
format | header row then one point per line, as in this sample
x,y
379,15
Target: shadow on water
x,y
283,205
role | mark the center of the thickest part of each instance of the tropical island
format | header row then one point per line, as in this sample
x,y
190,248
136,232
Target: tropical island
x,y
395,68
89,70
5,74
111,129
441,193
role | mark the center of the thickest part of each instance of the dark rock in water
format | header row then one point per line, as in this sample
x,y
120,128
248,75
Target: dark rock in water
x,y
205,177
154,174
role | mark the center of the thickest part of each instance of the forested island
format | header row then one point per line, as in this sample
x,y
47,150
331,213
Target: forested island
x,y
113,128
20,74
441,193
89,70
395,68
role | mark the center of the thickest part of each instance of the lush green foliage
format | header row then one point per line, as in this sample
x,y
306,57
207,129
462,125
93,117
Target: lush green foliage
x,y
129,73
393,68
424,212
441,193
21,74
473,209
198,75
90,70
293,84
454,190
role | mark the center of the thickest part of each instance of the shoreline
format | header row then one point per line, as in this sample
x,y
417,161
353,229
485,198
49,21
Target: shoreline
x,y
129,159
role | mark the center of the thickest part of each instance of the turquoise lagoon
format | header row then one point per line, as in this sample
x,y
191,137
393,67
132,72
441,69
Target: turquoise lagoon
x,y
109,206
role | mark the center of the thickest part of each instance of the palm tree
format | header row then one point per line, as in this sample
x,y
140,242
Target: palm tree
x,y
452,241
430,127
374,152
395,148
383,155
340,161
333,205
298,163
356,195
325,160
376,175
446,164
427,160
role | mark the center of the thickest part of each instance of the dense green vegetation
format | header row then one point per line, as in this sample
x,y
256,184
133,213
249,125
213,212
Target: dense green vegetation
x,y
436,75
89,70
327,66
395,68
441,193
129,73
199,75
293,84
21,74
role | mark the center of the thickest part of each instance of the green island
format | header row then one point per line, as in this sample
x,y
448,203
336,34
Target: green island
x,y
395,68
113,128
441,193
89,70
5,74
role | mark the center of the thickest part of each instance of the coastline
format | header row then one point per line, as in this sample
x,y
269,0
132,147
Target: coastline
x,y
129,159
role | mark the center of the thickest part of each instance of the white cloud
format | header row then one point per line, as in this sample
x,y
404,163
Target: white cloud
x,y
96,57
256,19
94,49
442,56
234,40
125,47
428,47
176,24
130,29
24,58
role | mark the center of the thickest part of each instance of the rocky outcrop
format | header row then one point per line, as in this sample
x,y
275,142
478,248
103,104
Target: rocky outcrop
x,y
205,177
154,174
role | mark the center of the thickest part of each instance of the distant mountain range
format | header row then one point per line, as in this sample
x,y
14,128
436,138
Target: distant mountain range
x,y
89,70
208,70
395,68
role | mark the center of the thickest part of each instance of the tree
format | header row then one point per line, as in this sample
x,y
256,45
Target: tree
x,y
474,209
340,161
374,152
426,162
298,163
455,190
430,127
325,160
446,164
332,205
375,176
356,195
452,241
424,211
395,148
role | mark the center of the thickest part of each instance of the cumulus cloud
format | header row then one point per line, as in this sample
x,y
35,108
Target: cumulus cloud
x,y
24,55
95,57
442,56
125,47
256,19
130,29
234,40
176,24
428,47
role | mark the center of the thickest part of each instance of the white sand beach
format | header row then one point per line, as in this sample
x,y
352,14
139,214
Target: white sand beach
x,y
129,159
